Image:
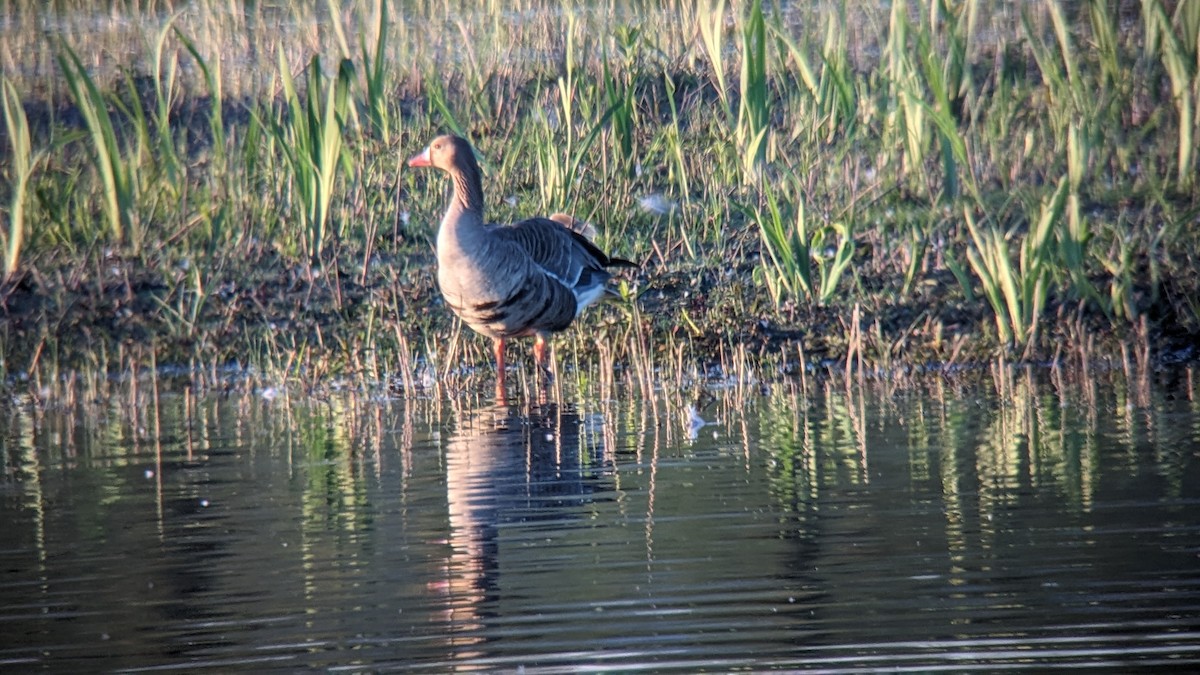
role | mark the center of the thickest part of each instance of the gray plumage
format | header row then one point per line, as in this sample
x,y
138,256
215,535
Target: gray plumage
x,y
529,278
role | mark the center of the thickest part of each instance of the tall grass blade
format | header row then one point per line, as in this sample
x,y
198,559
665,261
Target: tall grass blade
x,y
22,163
165,81
981,259
311,137
674,137
806,264
1017,291
439,100
753,114
833,267
1184,73
375,76
116,175
558,169
620,101
711,20
216,99
789,275
1104,32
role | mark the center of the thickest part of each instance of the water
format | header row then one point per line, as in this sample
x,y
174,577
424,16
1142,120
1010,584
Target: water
x,y
938,527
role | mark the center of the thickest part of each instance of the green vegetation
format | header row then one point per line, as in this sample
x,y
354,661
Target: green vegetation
x,y
942,181
20,168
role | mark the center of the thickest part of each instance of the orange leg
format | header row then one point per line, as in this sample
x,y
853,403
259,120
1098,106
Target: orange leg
x,y
498,348
540,346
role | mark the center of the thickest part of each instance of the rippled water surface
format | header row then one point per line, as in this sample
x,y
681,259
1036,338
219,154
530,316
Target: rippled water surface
x,y
946,526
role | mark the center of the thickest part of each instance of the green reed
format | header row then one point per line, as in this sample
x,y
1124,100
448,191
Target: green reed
x,y
789,274
1075,238
166,91
1179,52
560,151
711,25
212,80
23,163
753,117
375,78
311,139
806,262
619,96
1017,289
117,172
830,103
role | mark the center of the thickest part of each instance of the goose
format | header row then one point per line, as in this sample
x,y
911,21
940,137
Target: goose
x,y
530,278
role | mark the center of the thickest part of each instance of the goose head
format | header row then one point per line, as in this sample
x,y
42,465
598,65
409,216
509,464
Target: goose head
x,y
448,153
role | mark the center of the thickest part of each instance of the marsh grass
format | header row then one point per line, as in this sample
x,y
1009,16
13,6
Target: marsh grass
x,y
311,139
871,185
117,172
22,161
1179,50
1016,289
753,116
375,74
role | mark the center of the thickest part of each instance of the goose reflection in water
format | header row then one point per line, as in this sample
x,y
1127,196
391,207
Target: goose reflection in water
x,y
515,480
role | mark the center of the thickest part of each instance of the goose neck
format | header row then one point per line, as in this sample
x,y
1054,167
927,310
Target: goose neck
x,y
468,192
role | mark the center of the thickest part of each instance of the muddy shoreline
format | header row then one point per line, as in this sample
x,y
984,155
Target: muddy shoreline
x,y
82,316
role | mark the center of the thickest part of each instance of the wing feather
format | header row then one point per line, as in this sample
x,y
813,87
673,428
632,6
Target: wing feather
x,y
561,253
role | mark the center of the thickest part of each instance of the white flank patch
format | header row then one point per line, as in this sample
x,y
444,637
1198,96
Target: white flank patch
x,y
587,296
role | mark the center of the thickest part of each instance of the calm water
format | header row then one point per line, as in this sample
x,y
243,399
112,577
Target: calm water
x,y
946,527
